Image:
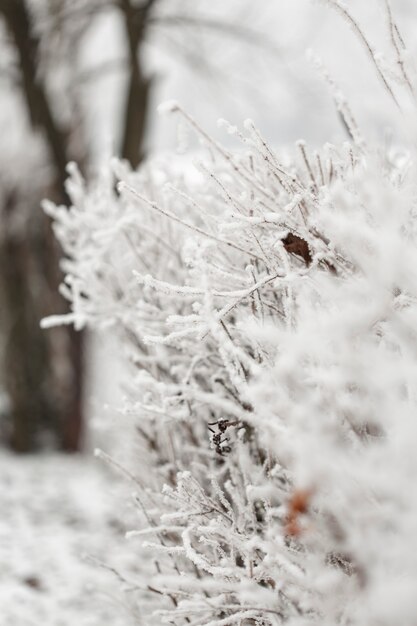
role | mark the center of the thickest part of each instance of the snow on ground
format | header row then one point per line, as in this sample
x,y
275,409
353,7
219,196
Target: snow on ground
x,y
57,513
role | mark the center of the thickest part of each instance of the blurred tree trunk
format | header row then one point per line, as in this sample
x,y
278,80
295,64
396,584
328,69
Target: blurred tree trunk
x,y
25,351
138,89
43,371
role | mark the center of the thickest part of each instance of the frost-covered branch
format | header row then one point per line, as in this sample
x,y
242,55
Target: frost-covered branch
x,y
268,308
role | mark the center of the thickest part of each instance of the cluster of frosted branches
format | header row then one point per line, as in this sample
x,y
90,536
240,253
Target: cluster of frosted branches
x,y
268,306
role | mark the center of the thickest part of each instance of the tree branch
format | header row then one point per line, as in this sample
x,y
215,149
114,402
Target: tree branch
x,y
38,107
226,28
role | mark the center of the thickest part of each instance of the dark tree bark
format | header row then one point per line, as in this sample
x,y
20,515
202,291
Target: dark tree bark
x,y
43,372
25,351
138,90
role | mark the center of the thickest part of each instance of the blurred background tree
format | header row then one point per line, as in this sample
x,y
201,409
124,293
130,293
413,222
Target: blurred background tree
x,y
47,124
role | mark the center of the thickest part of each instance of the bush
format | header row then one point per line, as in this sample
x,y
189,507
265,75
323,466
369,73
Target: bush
x,y
268,309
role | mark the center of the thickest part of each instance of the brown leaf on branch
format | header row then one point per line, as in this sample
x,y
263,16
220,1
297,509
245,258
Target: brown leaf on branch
x,y
298,504
296,245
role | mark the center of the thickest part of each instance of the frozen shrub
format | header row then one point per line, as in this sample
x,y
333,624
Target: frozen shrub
x,y
268,307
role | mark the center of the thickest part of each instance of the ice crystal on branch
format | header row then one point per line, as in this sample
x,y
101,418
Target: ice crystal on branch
x,y
269,309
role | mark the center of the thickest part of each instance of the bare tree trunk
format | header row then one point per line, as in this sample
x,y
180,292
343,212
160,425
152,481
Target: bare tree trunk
x,y
25,352
42,371
136,116
137,97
